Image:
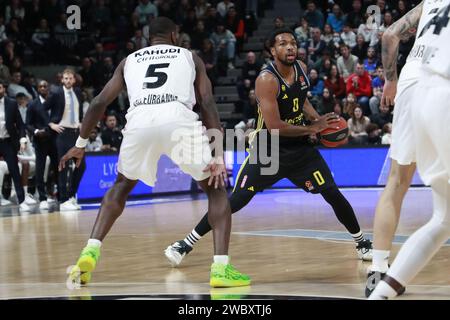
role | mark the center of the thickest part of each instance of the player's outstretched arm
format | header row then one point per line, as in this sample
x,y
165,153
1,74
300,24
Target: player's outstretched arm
x,y
96,110
402,29
266,92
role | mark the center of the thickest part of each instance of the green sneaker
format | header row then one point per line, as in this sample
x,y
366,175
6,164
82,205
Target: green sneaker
x,y
85,264
225,276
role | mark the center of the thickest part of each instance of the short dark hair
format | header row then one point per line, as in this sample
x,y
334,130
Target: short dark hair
x,y
162,26
20,95
277,32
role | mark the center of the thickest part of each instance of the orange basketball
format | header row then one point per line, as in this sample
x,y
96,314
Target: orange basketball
x,y
335,137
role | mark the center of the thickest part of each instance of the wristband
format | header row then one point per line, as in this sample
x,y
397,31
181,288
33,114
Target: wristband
x,y
81,143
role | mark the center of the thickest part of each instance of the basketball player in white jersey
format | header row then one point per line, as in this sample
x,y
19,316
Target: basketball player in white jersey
x,y
398,92
163,82
430,116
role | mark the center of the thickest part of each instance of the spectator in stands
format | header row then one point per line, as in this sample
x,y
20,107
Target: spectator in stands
x,y
313,15
360,84
95,143
327,35
383,117
41,42
368,31
125,52
349,105
111,135
250,108
401,10
355,17
323,65
235,24
373,134
387,21
212,16
223,7
387,134
139,41
225,44
346,63
348,36
357,126
88,74
377,87
251,68
14,10
316,45
201,7
199,35
107,70
378,81
209,57
371,62
336,19
335,83
3,36
337,108
303,33
316,84
326,102
4,71
144,10
188,24
15,86
360,50
101,14
278,23
9,53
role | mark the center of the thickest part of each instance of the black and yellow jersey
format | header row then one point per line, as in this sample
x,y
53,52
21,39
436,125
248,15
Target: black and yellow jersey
x,y
291,99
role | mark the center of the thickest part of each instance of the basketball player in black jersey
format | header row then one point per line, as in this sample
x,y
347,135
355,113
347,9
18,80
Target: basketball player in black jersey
x,y
281,90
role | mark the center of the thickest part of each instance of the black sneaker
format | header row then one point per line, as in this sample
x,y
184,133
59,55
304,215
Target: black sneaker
x,y
364,250
373,278
176,252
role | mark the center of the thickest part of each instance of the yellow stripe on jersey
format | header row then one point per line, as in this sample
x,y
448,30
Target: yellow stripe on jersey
x,y
259,127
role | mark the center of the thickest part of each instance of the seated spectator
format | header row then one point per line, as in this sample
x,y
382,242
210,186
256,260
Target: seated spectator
x,y
335,83
323,65
313,15
349,106
88,74
278,23
378,81
387,21
111,135
360,50
367,30
225,44
3,36
326,102
371,63
357,126
4,70
201,7
336,19
373,134
303,33
250,108
401,10
223,7
302,55
383,117
139,40
235,24
337,108
251,68
15,86
375,100
327,35
316,85
355,17
41,42
199,35
316,45
95,143
144,10
360,84
347,62
15,10
209,57
212,17
348,36
387,134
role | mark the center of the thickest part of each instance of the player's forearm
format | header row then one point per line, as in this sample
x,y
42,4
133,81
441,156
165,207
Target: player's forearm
x,y
92,117
310,112
389,54
210,116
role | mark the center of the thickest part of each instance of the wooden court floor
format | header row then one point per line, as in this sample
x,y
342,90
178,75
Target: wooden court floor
x,y
277,240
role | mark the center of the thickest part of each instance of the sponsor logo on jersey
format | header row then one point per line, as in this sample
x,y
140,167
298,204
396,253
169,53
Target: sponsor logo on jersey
x,y
155,99
244,181
252,189
285,97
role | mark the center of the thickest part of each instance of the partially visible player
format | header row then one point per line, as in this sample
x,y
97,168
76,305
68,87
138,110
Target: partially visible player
x,y
430,116
281,90
163,83
402,151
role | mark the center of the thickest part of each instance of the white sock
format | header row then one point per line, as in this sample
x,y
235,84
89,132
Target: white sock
x,y
380,260
94,243
221,259
25,189
192,238
383,291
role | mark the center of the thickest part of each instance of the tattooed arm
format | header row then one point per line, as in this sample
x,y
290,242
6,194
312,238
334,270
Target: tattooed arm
x,y
403,29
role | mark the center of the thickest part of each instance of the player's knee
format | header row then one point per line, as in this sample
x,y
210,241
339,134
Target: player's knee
x,y
238,200
399,178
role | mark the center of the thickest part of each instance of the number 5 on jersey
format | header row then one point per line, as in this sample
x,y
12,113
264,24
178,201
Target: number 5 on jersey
x,y
161,77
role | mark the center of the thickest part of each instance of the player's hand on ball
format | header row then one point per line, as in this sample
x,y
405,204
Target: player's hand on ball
x,y
74,153
326,121
218,172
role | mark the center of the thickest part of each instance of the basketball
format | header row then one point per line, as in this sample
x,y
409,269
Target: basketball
x,y
335,137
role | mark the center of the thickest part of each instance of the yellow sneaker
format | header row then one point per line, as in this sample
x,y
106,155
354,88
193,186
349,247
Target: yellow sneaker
x,y
85,265
225,276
